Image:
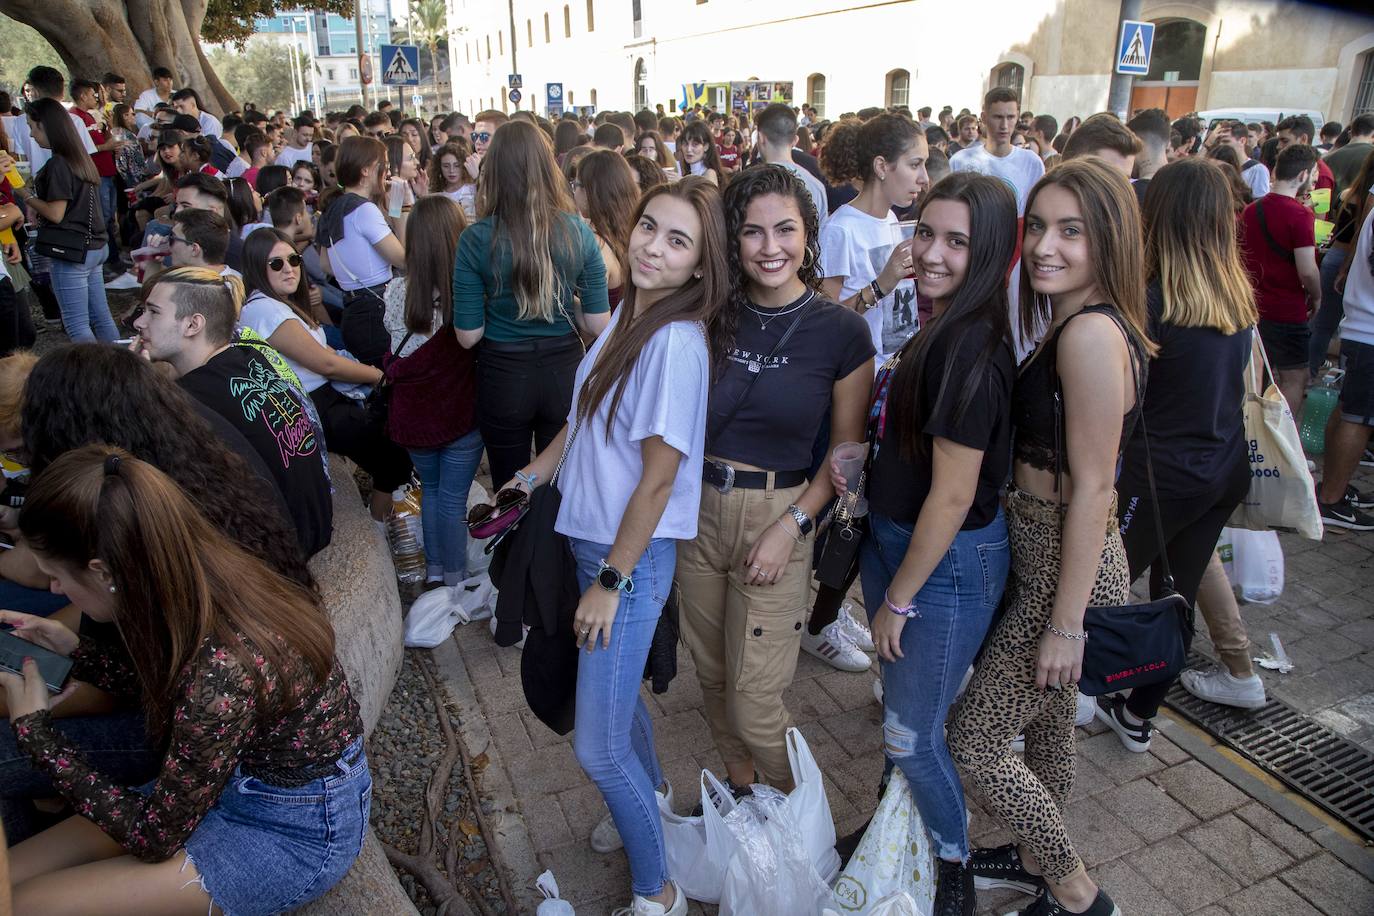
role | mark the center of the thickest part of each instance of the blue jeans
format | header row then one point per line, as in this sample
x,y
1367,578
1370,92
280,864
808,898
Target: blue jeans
x,y
1329,313
80,292
445,477
38,601
956,605
614,740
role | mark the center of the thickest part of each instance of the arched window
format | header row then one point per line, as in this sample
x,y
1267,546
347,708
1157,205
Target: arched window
x,y
815,92
547,36
898,88
567,21
641,87
1178,49
591,19
1009,76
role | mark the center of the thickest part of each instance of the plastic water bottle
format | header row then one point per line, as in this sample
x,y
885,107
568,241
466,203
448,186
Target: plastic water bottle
x,y
1316,410
406,536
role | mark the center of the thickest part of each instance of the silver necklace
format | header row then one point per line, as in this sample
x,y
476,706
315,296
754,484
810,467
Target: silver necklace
x,y
766,318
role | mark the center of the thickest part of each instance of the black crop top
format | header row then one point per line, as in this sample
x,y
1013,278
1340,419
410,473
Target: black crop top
x,y
1037,422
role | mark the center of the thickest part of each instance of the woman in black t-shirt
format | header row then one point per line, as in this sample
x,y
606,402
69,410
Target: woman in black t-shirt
x,y
745,580
935,562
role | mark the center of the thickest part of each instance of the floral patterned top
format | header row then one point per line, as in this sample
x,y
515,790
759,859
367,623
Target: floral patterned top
x,y
217,726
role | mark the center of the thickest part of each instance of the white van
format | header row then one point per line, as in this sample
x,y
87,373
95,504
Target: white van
x,y
1253,115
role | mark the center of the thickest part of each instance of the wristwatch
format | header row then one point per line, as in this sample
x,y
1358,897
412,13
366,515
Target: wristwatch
x,y
804,524
612,580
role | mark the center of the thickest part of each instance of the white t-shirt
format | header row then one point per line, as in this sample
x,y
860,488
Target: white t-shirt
x,y
147,101
815,187
236,166
38,156
253,227
355,261
290,155
466,197
210,125
264,315
1020,169
666,397
856,246
1257,177
1358,323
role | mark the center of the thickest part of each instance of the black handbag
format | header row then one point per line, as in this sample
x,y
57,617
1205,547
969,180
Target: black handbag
x,y
843,535
67,244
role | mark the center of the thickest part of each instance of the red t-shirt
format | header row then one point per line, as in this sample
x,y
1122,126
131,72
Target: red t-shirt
x,y
1324,179
1278,290
104,159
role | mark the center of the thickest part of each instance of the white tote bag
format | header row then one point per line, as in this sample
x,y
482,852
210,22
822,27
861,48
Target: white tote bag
x,y
811,807
699,849
894,855
1282,494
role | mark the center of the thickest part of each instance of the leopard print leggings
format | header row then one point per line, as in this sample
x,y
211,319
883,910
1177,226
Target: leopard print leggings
x,y
1002,701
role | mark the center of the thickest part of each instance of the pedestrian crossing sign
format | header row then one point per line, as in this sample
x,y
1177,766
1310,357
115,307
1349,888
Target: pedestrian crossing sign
x,y
401,65
1133,50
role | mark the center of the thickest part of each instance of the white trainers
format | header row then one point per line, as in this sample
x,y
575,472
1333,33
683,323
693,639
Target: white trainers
x,y
836,646
126,280
852,623
1086,712
1219,686
642,906
606,838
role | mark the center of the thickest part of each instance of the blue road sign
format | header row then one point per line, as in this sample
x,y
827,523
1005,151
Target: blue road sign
x,y
400,65
553,98
1133,50
514,96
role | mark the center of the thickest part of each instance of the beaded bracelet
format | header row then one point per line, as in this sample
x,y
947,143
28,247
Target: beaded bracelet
x,y
527,479
1065,634
908,611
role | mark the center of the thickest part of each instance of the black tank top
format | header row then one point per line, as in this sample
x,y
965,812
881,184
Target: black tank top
x,y
1039,425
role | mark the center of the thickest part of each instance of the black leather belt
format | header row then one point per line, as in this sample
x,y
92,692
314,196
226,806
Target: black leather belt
x,y
725,478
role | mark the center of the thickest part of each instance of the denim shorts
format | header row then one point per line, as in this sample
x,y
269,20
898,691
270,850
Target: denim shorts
x,y
263,849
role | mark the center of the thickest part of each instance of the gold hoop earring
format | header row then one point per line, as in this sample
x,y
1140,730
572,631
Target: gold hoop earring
x,y
807,265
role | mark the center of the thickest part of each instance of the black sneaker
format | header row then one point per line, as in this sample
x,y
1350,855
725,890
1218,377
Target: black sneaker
x,y
846,846
737,791
1001,866
1344,515
954,893
1046,905
1111,712
1358,500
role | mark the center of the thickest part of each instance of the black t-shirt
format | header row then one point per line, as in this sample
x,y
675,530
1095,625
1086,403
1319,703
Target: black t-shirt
x,y
241,386
1193,401
56,181
777,422
898,488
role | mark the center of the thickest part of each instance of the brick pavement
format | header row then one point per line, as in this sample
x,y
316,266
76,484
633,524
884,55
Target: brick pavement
x,y
1162,831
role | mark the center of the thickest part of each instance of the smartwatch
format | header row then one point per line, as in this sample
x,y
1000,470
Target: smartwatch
x,y
611,579
804,524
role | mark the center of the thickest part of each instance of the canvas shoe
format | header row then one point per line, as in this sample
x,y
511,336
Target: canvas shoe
x,y
1000,866
642,906
1367,459
954,892
1219,686
126,280
1111,711
1086,711
835,646
606,838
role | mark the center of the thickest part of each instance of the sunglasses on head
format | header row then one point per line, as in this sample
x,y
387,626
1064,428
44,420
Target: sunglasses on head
x,y
278,263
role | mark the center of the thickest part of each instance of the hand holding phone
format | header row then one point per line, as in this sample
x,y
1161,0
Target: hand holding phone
x,y
30,675
52,635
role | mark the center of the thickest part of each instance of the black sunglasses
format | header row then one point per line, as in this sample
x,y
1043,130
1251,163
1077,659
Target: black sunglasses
x,y
275,264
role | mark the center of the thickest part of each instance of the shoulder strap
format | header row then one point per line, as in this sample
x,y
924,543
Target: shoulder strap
x,y
1282,252
718,427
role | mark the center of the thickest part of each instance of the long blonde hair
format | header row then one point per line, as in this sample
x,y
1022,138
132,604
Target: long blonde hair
x,y
1191,250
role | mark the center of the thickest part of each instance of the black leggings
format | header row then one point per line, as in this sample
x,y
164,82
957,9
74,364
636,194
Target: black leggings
x,y
364,333
524,391
1191,529
349,431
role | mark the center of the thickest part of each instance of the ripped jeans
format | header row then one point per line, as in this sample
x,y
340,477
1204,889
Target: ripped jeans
x,y
956,605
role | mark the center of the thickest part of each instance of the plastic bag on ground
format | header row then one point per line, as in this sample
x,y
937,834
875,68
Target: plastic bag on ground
x,y
811,807
699,849
771,873
552,904
1253,561
435,613
893,857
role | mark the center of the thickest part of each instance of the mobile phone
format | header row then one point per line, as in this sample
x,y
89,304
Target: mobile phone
x,y
54,668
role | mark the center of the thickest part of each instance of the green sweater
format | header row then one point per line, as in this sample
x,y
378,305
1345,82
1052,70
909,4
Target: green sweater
x,y
484,296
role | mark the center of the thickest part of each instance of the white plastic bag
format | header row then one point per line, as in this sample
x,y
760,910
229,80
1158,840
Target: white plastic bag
x,y
435,613
898,903
1253,561
552,904
894,855
811,808
771,873
699,848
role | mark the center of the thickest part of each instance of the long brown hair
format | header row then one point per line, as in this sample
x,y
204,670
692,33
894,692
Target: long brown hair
x,y
1227,160
63,140
1191,250
612,192
521,189
661,154
435,224
699,299
177,581
1111,219
458,147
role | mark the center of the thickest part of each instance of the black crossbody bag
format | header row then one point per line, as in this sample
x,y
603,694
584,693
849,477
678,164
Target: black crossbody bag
x,y
67,245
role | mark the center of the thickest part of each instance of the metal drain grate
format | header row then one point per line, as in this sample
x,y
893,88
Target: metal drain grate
x,y
1323,767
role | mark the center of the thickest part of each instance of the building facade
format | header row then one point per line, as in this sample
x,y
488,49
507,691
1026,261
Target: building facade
x,y
842,56
330,42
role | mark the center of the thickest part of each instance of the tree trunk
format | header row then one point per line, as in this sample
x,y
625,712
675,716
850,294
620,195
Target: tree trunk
x,y
95,36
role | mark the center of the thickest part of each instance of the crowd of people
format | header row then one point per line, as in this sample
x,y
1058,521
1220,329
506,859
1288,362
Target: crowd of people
x,y
1037,338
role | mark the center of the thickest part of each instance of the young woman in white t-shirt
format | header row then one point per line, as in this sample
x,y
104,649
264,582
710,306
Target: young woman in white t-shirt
x,y
447,176
631,487
278,310
697,154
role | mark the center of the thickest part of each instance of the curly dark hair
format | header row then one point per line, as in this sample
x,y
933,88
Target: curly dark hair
x,y
754,182
80,394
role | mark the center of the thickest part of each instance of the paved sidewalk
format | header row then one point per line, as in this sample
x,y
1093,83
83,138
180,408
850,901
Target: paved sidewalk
x,y
1162,831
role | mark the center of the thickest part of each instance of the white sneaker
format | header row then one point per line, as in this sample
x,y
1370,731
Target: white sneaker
x,y
126,280
1086,711
878,690
642,906
836,646
1220,686
853,624
606,838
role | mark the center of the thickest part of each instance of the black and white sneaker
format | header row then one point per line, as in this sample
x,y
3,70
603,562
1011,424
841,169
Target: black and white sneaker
x,y
1111,711
1344,515
1367,459
1046,905
1358,500
1000,866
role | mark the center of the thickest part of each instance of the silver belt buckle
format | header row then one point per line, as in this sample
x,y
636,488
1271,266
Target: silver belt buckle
x,y
728,473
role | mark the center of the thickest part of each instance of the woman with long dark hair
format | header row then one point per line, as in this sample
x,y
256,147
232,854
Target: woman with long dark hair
x,y
1201,308
935,561
406,165
235,671
631,484
413,132
66,196
606,192
449,177
1083,277
749,568
434,385
697,154
527,281
650,145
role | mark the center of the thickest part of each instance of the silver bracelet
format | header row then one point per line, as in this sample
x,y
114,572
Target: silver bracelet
x,y
1065,634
